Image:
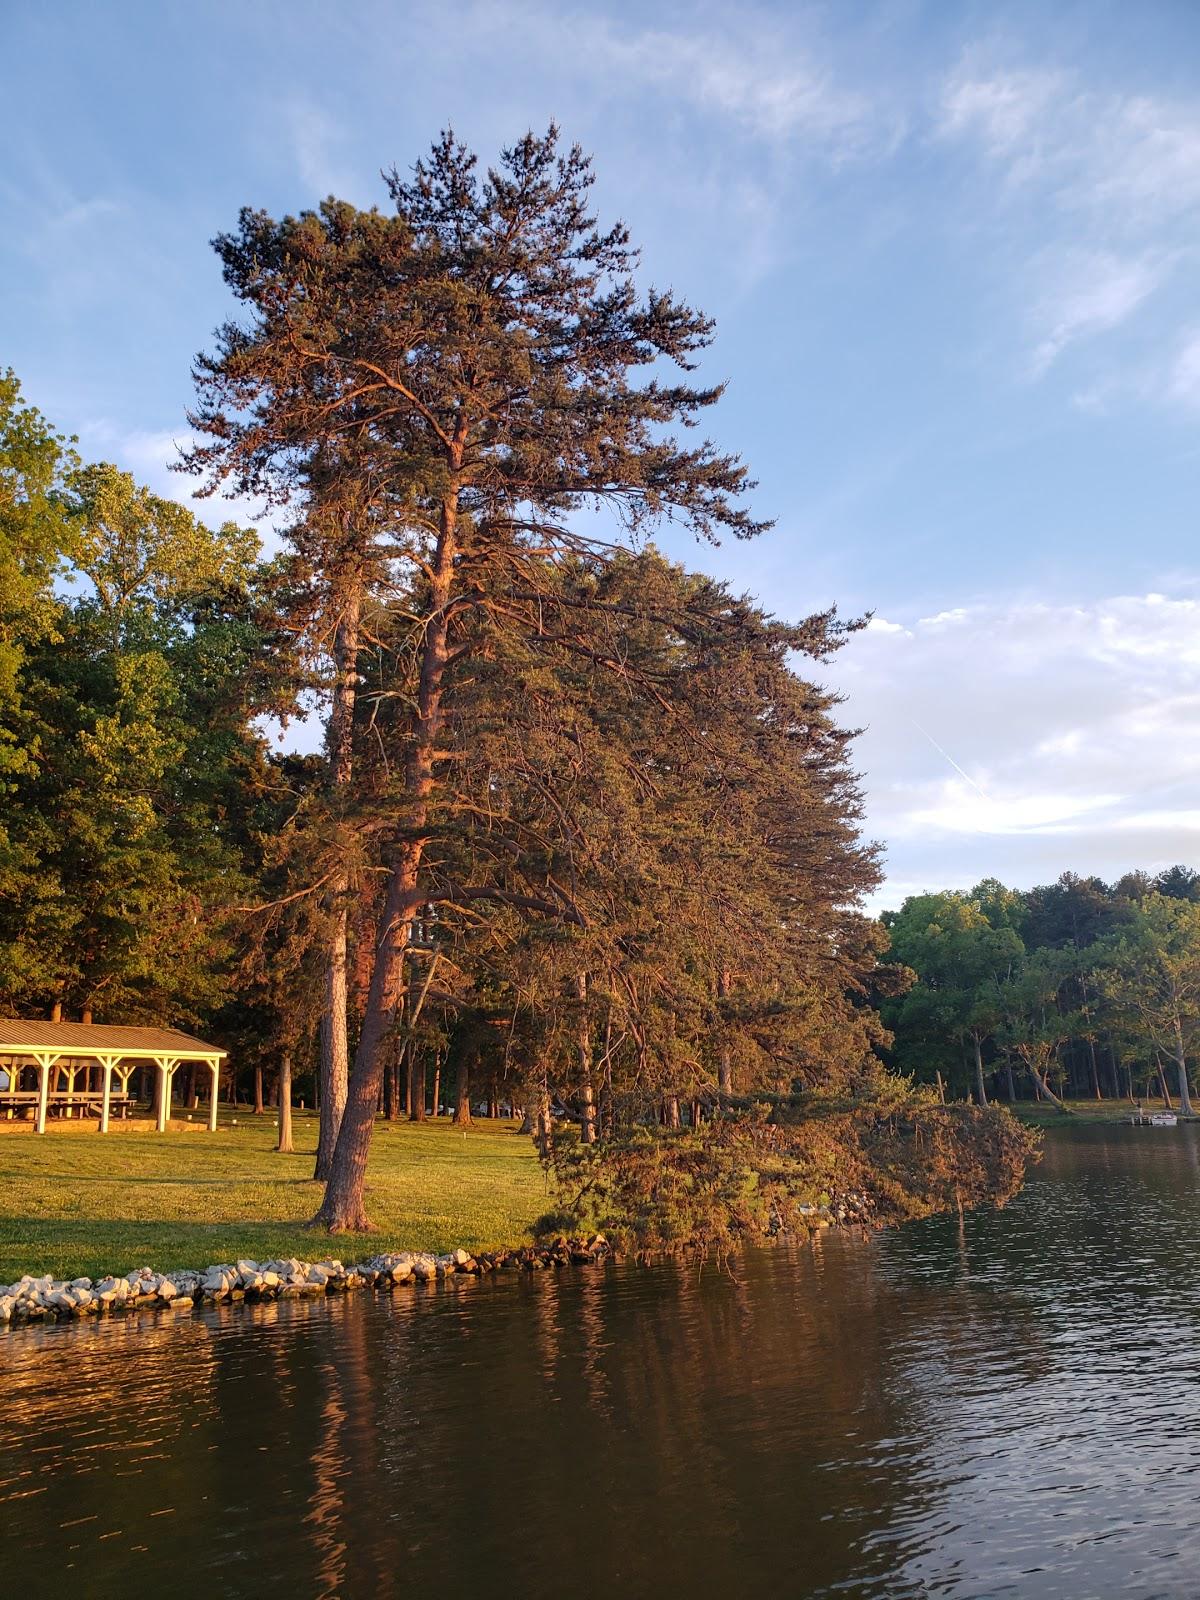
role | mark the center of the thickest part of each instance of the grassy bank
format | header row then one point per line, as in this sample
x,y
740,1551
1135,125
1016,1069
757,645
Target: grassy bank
x,y
1089,1111
75,1203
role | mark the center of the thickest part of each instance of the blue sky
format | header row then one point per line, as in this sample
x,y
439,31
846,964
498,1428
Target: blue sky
x,y
952,254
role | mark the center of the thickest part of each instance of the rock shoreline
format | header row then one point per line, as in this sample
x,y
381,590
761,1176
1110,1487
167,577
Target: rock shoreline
x,y
49,1299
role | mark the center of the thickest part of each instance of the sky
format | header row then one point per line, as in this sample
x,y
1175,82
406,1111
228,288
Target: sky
x,y
951,252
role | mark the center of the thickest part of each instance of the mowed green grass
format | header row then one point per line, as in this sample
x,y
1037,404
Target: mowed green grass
x,y
1090,1111
76,1203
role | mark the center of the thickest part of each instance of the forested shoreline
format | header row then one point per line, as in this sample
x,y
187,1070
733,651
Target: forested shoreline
x,y
583,840
1076,989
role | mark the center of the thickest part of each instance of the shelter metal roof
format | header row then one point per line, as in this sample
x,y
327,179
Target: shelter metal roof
x,y
85,1038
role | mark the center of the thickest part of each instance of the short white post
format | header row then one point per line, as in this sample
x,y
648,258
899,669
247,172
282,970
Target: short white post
x,y
107,1068
215,1069
43,1093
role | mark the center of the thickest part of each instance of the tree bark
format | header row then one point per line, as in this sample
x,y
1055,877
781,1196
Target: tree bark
x,y
545,1124
1043,1088
258,1090
725,1058
980,1089
284,1146
462,1104
1185,1099
417,1074
343,1207
583,1038
435,1108
1162,1082
335,1059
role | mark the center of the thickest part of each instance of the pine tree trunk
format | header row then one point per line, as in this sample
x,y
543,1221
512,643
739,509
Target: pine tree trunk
x,y
462,1105
418,1075
437,1086
1162,1083
1045,1090
284,1146
259,1108
344,1207
1097,1093
545,1124
725,1059
1009,1084
980,1089
334,1068
391,1088
416,1088
671,1111
335,1060
1185,1099
584,1044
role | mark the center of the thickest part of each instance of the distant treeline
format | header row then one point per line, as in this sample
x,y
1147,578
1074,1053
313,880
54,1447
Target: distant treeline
x,y
1076,989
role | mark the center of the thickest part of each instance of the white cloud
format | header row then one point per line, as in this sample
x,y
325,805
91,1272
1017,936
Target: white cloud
x,y
1183,384
1135,159
319,147
1019,740
1107,182
149,454
1004,110
773,89
770,79
1095,292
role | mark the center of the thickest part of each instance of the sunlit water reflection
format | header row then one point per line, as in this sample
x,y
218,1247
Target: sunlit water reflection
x,y
1012,1407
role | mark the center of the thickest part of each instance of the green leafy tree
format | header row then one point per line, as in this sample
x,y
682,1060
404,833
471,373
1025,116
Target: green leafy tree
x,y
1152,973
961,961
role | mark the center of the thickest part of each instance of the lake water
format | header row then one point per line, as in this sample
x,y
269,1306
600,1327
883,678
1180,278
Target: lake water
x,y
1009,1408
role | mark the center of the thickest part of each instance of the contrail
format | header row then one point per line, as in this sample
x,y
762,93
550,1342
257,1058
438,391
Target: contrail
x,y
947,756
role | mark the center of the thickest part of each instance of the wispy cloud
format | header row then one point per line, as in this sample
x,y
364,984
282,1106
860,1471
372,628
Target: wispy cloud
x,y
150,454
1005,111
768,85
1183,384
1033,737
1106,182
1091,292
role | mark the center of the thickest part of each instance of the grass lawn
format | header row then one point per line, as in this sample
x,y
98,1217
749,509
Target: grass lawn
x,y
1091,1111
74,1203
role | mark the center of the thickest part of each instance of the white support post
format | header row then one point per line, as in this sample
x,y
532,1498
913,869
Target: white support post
x,y
43,1066
215,1068
166,1071
106,1066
